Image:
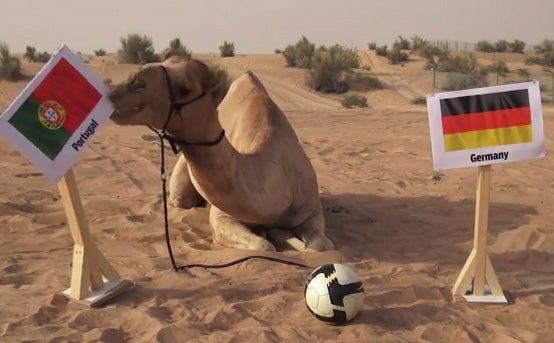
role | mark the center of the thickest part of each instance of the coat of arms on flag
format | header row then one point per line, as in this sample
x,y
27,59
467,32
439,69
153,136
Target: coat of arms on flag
x,y
53,118
487,125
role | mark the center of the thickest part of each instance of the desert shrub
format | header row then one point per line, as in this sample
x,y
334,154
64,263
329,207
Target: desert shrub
x,y
372,46
524,73
403,43
136,49
420,100
176,48
517,46
457,81
362,82
10,66
332,68
484,46
43,57
227,49
30,54
301,54
277,51
544,53
502,46
382,50
396,55
100,52
461,64
434,55
418,43
350,100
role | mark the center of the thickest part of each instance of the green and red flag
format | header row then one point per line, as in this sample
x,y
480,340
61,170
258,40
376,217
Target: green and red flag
x,y
57,114
486,125
56,108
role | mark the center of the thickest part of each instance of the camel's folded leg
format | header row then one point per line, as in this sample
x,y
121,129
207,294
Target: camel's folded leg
x,y
287,239
233,234
181,190
312,233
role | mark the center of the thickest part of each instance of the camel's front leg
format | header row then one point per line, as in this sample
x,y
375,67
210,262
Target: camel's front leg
x,y
181,190
233,234
312,233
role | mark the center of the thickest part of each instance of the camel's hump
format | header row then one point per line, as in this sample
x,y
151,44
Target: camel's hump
x,y
249,115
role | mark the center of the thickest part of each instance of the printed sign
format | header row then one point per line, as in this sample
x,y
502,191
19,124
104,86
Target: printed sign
x,y
489,125
57,114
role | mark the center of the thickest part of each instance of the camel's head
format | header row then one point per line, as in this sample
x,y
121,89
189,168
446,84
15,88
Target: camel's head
x,y
144,98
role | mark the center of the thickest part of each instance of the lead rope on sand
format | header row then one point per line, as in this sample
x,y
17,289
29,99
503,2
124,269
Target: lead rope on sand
x,y
168,240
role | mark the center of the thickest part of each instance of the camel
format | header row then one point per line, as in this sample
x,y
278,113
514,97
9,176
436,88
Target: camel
x,y
241,156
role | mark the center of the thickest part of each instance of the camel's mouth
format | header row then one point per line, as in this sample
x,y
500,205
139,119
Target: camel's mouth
x,y
126,112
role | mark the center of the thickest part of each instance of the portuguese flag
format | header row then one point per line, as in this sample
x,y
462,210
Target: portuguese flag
x,y
56,108
486,120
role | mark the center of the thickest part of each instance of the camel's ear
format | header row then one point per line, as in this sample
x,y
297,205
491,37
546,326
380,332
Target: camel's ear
x,y
215,81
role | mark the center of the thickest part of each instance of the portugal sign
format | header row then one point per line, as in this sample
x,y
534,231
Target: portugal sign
x,y
488,125
53,118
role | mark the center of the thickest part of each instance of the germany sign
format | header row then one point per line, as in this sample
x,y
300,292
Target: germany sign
x,y
487,125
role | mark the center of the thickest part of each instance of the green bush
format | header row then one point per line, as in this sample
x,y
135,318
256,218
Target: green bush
x,y
100,52
372,46
457,81
418,43
10,67
363,82
332,69
396,55
176,48
420,100
381,51
301,54
227,49
136,49
350,100
43,57
30,54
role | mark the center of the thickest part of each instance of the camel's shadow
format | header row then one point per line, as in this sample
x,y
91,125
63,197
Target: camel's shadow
x,y
412,229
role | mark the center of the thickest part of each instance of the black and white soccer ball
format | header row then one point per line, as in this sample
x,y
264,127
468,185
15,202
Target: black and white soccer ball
x,y
334,293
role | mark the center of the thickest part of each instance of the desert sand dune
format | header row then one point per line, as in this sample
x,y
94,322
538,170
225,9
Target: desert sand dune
x,y
406,230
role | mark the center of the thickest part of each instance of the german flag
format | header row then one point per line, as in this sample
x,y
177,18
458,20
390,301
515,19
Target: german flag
x,y
486,120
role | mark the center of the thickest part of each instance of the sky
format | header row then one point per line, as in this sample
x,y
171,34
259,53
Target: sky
x,y
260,26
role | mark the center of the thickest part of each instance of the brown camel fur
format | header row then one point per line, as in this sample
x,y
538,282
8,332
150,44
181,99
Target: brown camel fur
x,y
257,178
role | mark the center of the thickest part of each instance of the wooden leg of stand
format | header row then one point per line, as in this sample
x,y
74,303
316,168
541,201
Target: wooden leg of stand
x,y
478,267
90,267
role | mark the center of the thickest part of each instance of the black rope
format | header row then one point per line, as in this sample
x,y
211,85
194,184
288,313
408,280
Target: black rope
x,y
207,266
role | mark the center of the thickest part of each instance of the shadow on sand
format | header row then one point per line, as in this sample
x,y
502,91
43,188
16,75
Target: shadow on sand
x,y
412,229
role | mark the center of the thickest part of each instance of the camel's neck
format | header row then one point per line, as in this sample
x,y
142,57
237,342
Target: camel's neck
x,y
212,166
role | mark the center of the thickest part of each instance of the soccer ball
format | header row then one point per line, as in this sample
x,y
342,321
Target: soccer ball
x,y
334,293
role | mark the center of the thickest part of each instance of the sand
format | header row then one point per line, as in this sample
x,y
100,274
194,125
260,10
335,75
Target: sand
x,y
406,230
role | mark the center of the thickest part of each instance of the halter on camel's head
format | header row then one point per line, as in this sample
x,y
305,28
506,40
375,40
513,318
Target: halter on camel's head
x,y
138,100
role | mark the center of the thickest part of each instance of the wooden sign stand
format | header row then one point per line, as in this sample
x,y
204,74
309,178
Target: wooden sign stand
x,y
93,280
477,281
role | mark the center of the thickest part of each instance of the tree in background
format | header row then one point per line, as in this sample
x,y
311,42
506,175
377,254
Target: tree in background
x,y
227,49
136,49
30,54
10,66
176,48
